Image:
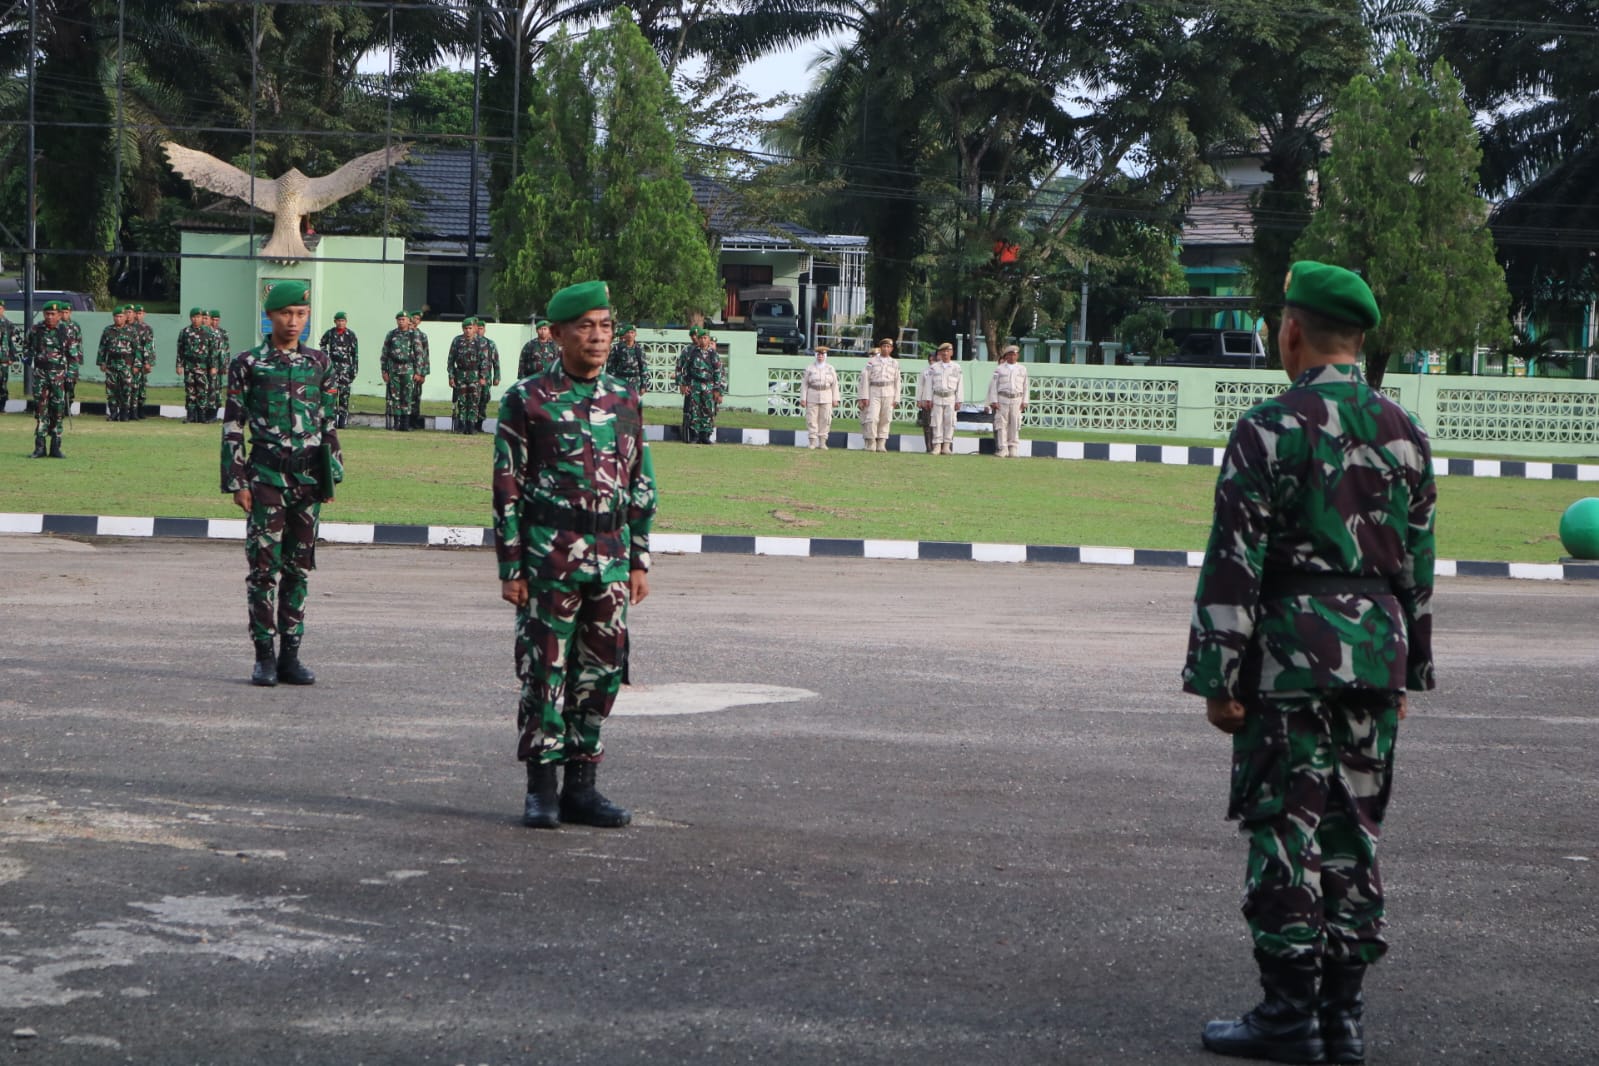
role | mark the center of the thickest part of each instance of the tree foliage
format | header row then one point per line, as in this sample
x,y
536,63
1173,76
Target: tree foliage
x,y
1399,204
616,208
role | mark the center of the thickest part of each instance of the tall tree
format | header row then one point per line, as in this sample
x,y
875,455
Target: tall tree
x,y
617,208
1399,204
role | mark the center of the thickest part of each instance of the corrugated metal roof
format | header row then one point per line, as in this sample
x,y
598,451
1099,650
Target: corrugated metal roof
x,y
1219,219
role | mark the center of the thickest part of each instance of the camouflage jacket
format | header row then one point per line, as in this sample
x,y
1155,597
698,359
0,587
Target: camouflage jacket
x,y
568,451
194,348
144,349
489,353
74,342
464,367
627,362
400,353
701,368
118,344
1331,477
10,344
51,353
424,355
288,401
537,356
344,353
221,348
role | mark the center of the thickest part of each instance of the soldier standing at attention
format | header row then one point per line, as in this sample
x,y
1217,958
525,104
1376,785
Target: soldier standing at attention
x,y
49,350
1312,617
10,356
879,395
398,362
75,346
1007,399
464,369
574,496
939,391
343,350
220,357
424,367
702,379
819,392
143,361
489,355
115,360
194,365
628,361
284,392
540,353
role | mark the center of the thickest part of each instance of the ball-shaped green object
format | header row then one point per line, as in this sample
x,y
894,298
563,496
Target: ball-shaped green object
x,y
1579,529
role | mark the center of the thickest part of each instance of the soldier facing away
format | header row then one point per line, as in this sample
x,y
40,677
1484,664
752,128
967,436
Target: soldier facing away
x,y
574,496
1311,618
283,391
343,350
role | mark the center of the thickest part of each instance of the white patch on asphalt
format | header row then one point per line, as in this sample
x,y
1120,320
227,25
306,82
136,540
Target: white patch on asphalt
x,y
394,877
11,870
647,700
248,930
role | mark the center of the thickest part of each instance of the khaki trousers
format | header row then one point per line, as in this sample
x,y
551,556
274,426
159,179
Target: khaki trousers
x,y
1007,426
879,413
818,423
943,423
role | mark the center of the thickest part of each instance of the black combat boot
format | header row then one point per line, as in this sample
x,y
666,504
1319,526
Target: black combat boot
x,y
55,448
1342,1006
290,670
38,448
1284,1027
541,809
266,665
582,804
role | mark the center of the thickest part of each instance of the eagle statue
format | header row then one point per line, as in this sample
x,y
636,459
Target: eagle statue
x,y
289,197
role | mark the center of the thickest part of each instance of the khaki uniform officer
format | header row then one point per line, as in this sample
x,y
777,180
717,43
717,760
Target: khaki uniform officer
x,y
1007,398
820,394
879,389
938,392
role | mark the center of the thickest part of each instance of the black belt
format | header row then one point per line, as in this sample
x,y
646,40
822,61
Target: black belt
x,y
303,463
572,520
1281,583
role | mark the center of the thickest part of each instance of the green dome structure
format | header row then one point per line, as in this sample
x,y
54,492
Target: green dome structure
x,y
1579,529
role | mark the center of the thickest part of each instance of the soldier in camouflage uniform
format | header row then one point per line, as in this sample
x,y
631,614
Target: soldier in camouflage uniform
x,y
222,358
344,353
701,377
115,359
10,355
75,347
489,357
628,361
464,368
194,365
284,392
538,354
399,364
49,350
424,364
1312,617
574,495
143,361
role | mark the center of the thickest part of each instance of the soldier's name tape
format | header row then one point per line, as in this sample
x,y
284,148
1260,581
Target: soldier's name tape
x,y
718,544
1164,454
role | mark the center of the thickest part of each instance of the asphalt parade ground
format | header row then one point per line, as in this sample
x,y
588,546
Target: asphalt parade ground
x,y
885,812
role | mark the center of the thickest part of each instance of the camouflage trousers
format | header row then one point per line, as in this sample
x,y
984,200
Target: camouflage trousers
x,y
341,399
467,410
217,383
51,402
119,387
280,544
5,385
138,385
570,641
402,392
699,414
1310,784
196,390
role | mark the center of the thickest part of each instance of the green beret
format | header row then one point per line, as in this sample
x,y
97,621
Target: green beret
x,y
468,321
625,327
402,314
1332,291
136,307
340,314
576,300
218,314
541,322
414,314
286,294
196,311
54,305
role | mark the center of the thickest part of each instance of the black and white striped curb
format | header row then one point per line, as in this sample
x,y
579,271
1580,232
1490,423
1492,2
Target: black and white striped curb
x,y
1164,454
716,544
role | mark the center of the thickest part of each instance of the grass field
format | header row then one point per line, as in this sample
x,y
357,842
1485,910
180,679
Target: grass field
x,y
163,468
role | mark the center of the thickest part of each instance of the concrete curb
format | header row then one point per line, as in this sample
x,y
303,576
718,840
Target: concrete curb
x,y
718,544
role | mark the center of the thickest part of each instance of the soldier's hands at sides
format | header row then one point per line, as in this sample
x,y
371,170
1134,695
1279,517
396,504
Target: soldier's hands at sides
x,y
638,586
683,389
1403,708
1226,715
242,498
514,592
